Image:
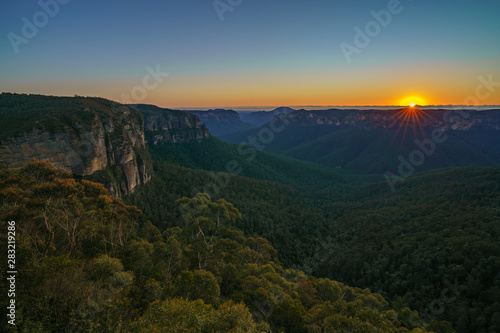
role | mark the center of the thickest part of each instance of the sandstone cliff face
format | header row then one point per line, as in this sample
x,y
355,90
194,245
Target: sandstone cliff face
x,y
170,126
221,122
101,136
221,115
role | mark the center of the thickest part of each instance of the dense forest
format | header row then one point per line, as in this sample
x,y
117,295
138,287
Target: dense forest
x,y
432,245
86,263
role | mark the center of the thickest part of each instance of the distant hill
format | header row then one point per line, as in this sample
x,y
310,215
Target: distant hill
x,y
259,118
221,122
372,141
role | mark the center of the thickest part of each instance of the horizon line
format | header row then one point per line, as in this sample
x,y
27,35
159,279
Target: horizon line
x,y
265,107
298,107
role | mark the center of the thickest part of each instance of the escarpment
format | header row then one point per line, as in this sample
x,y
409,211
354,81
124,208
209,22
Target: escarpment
x,y
92,137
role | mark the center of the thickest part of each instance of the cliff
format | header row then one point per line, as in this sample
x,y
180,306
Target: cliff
x,y
221,122
170,126
92,137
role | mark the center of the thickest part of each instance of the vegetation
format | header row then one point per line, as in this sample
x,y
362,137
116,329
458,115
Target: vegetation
x,y
84,266
317,183
76,117
435,242
376,148
275,245
20,113
412,245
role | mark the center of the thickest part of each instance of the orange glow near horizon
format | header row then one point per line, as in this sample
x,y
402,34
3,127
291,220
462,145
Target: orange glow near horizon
x,y
321,87
385,85
412,101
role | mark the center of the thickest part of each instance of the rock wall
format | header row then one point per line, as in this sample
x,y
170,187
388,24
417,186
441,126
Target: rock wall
x,y
171,126
112,142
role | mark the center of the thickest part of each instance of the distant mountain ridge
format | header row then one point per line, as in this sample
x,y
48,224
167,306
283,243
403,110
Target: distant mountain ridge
x,y
370,119
259,118
372,141
221,121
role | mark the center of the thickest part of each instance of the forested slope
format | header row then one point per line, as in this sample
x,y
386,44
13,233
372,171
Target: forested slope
x,y
84,264
437,229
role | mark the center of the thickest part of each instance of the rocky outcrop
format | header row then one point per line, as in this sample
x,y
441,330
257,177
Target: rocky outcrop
x,y
102,137
221,115
171,126
221,122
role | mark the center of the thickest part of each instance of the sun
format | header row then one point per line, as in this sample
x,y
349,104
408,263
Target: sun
x,y
410,116
412,101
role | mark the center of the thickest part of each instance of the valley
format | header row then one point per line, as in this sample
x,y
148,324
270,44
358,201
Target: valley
x,y
329,214
237,166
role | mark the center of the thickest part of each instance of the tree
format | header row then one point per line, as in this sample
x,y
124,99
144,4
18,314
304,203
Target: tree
x,y
184,316
199,284
203,219
62,216
289,316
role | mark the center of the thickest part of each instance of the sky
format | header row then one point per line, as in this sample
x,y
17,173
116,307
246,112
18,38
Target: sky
x,y
237,53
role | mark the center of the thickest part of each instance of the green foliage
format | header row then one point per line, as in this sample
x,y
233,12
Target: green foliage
x,y
76,117
59,215
267,208
68,233
372,146
21,113
199,276
435,242
199,284
183,316
215,155
413,243
288,316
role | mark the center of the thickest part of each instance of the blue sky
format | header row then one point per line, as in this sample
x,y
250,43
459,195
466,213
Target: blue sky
x,y
278,51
